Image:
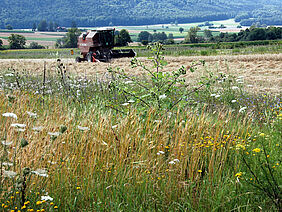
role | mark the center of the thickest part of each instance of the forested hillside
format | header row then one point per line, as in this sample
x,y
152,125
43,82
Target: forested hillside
x,y
24,13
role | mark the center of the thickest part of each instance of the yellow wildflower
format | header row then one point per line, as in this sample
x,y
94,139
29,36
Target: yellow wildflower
x,y
256,150
262,134
239,174
200,171
38,203
240,146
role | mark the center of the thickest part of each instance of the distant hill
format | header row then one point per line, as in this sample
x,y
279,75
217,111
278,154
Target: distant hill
x,y
23,13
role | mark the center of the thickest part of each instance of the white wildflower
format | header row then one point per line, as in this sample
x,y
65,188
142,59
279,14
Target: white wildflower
x,y
125,104
131,101
242,109
46,198
174,161
160,152
37,129
53,163
250,86
157,121
162,96
213,94
20,130
104,143
217,96
6,143
7,164
114,126
82,128
18,125
234,87
31,114
40,172
10,174
128,82
12,115
233,101
9,75
54,134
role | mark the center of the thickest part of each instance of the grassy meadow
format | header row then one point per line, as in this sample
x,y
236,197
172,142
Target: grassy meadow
x,y
146,137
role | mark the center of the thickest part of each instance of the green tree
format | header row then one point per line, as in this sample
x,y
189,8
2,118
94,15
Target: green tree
x,y
159,36
16,41
1,43
69,40
73,24
207,33
9,27
145,36
35,45
257,34
34,27
122,38
51,27
42,26
181,29
170,36
192,35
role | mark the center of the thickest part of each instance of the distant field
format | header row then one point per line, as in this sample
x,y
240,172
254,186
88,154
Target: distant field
x,y
231,26
49,38
43,38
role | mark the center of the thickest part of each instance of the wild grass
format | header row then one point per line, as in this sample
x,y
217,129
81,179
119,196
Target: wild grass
x,y
38,53
87,157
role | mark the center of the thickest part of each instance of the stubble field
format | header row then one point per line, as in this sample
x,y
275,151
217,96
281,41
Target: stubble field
x,y
262,73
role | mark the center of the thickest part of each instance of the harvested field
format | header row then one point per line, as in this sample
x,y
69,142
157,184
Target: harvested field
x,y
262,73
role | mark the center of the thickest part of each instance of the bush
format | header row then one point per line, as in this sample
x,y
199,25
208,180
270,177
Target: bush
x,y
35,45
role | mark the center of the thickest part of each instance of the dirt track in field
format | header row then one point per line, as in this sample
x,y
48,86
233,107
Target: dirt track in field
x,y
262,73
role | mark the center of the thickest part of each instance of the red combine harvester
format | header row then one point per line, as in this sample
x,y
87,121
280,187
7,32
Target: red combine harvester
x,y
97,45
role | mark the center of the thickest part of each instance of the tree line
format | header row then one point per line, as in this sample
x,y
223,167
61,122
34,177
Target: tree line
x,y
19,42
250,34
122,38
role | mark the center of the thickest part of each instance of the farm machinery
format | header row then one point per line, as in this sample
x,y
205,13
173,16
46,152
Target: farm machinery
x,y
97,45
